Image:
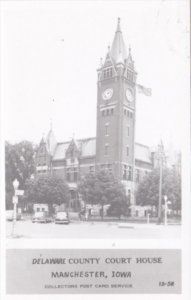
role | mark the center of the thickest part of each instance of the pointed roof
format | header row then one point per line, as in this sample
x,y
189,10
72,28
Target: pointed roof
x,y
108,58
129,61
87,148
42,141
51,142
118,49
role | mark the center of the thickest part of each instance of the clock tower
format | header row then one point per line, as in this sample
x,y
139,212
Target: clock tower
x,y
116,103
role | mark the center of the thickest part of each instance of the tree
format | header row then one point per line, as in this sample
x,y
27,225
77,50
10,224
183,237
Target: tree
x,y
148,189
101,188
49,189
119,208
20,164
172,188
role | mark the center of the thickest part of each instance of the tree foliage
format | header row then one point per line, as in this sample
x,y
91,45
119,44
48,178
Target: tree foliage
x,y
102,188
47,188
20,164
148,189
119,208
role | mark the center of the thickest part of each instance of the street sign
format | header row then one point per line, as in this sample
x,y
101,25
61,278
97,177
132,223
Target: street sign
x,y
19,192
15,199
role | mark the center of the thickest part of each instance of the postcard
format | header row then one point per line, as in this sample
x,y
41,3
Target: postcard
x,y
95,149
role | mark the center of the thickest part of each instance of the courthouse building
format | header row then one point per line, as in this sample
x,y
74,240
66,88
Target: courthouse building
x,y
114,147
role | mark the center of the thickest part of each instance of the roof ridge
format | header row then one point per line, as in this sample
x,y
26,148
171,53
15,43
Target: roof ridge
x,y
60,143
84,139
142,145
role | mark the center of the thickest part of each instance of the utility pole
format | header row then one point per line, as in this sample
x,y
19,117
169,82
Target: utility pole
x,y
15,201
160,157
165,209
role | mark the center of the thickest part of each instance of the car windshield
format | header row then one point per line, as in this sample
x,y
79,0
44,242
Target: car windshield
x,y
39,214
61,214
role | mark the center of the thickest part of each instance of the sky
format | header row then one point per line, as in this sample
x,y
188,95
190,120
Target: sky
x,y
51,51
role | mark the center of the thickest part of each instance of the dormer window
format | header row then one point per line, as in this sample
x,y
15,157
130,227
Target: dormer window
x,y
41,151
107,73
130,75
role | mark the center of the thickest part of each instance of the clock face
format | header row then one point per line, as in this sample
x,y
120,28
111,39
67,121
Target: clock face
x,y
129,95
107,94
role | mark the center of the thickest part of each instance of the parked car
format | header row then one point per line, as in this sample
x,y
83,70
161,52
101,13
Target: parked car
x,y
41,217
61,218
10,214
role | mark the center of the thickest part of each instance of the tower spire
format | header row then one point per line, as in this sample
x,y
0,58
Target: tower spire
x,y
118,49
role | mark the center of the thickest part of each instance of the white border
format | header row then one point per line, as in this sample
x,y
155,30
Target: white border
x,y
184,243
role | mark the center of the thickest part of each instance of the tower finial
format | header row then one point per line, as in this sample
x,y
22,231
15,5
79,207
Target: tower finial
x,y
129,49
118,25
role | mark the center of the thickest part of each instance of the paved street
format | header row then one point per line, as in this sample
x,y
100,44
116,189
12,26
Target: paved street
x,y
103,230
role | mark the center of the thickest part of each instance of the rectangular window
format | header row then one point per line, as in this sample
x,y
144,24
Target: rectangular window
x,y
125,112
112,111
106,149
129,194
124,172
107,112
91,169
137,175
106,129
73,194
127,150
128,113
103,113
128,131
129,175
75,175
68,178
109,167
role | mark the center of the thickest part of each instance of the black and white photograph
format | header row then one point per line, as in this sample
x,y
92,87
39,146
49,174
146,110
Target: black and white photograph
x,y
95,112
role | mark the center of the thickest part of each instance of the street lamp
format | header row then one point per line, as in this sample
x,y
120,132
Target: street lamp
x,y
15,201
166,209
